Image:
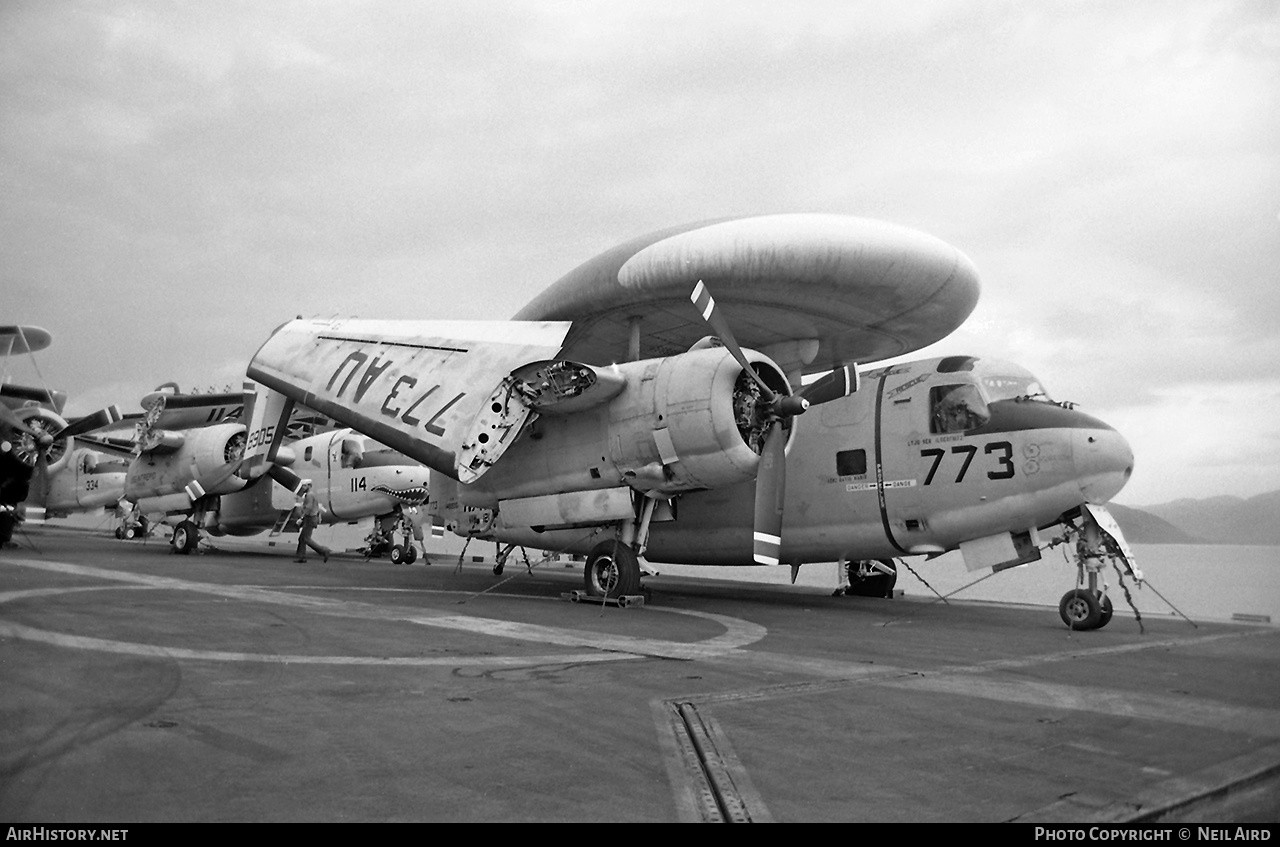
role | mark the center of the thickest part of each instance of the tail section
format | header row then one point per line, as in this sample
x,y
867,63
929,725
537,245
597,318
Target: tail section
x,y
268,412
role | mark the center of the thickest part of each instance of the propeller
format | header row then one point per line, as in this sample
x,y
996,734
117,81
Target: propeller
x,y
146,436
774,411
10,419
287,478
99,419
38,434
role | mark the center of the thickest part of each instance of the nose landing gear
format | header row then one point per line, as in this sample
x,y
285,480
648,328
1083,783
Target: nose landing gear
x,y
1083,608
1087,606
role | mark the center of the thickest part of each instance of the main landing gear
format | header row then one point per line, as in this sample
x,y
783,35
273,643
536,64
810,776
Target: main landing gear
x,y
870,578
612,570
186,536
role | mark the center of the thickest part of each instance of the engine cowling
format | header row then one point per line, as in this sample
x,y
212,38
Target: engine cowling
x,y
680,423
24,447
206,456
689,421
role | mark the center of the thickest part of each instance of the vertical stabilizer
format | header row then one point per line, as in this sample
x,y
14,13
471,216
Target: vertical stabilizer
x,y
268,414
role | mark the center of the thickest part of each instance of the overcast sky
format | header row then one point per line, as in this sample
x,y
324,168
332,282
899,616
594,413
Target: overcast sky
x,y
176,179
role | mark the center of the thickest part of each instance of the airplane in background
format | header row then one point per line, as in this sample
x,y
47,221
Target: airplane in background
x,y
90,479
192,475
37,444
553,431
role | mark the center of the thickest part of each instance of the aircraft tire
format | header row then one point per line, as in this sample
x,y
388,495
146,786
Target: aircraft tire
x,y
876,585
410,554
130,533
120,532
1080,609
612,570
185,537
397,554
1107,611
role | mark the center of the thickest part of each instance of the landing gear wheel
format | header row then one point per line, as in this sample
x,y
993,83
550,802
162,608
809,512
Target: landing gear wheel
x,y
497,569
612,570
874,584
131,533
398,555
185,537
410,554
1081,610
1107,609
120,533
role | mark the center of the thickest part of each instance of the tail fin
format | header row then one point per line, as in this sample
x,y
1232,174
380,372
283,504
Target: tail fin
x,y
268,413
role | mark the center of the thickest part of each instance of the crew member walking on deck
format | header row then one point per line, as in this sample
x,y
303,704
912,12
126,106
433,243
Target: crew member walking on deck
x,y
311,509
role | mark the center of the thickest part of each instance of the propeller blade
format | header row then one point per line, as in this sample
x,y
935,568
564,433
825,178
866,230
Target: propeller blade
x,y
38,493
706,305
197,489
10,419
839,383
285,477
98,420
771,489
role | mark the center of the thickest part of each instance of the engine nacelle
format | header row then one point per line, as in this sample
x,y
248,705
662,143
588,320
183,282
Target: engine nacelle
x,y
24,447
204,457
688,421
681,423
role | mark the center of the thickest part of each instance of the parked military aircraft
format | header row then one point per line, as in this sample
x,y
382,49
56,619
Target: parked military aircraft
x,y
196,477
551,430
36,441
90,480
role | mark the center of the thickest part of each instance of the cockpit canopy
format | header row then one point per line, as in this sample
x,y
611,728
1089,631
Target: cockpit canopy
x,y
961,394
353,451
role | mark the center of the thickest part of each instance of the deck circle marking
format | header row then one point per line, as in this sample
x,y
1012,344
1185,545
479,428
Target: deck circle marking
x,y
600,647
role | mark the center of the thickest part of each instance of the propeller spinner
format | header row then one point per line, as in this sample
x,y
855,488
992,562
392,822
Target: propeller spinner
x,y
772,412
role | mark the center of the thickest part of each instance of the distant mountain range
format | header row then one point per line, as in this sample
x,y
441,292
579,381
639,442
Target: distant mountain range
x,y
1214,520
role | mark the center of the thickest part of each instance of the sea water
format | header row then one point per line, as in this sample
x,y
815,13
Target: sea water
x,y
1201,581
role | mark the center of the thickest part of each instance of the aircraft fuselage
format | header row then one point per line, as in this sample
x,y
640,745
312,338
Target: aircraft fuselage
x,y
926,456
352,477
89,481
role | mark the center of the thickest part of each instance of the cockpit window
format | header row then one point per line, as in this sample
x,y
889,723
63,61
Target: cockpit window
x,y
352,453
957,408
1013,387
955,364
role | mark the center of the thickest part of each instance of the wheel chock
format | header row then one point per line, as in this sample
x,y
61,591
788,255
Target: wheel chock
x,y
626,601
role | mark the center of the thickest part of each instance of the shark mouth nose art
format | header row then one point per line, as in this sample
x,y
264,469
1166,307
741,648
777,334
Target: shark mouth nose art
x,y
414,495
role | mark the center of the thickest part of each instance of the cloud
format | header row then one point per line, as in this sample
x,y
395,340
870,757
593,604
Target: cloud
x,y
179,179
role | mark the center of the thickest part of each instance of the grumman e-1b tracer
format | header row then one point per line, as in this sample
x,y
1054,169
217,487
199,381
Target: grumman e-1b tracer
x,y
649,403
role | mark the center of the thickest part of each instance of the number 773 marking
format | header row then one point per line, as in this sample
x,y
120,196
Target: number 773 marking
x,y
1004,461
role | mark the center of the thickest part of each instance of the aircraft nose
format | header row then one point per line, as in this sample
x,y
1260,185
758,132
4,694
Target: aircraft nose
x,y
1104,463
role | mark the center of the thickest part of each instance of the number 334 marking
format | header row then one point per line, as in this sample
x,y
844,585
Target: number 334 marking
x,y
1002,451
